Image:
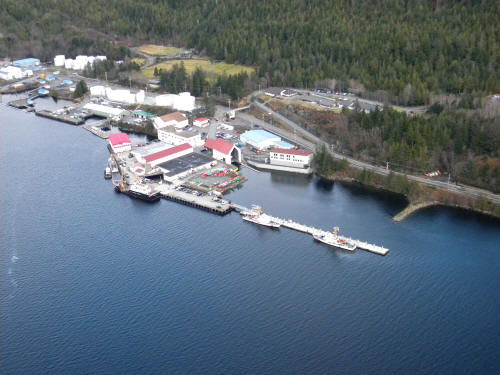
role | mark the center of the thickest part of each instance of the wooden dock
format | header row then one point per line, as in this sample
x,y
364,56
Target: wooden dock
x,y
60,117
95,130
206,203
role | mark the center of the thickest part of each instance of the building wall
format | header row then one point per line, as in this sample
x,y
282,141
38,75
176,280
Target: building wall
x,y
290,160
121,148
220,156
176,139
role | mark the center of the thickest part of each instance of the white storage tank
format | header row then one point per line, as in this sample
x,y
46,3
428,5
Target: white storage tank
x,y
59,60
68,63
97,91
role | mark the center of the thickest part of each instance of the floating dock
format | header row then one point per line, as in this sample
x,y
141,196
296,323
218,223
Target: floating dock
x,y
315,231
202,202
60,117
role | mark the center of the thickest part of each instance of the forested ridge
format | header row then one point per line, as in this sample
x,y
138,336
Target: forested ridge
x,y
411,49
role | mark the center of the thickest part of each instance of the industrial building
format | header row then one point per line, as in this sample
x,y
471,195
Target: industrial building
x,y
141,152
27,63
290,158
222,150
143,114
105,111
175,119
9,73
171,153
119,142
170,134
259,139
184,165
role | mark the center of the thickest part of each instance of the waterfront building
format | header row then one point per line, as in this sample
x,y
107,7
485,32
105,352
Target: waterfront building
x,y
105,111
169,154
119,142
222,150
170,134
175,119
184,165
259,139
290,158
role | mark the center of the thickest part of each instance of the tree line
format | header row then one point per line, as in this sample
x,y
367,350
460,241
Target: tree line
x,y
408,48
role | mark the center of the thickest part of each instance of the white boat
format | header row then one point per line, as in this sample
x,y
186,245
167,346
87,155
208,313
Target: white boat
x,y
333,239
255,215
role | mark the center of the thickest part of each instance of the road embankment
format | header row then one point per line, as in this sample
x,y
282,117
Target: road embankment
x,y
412,208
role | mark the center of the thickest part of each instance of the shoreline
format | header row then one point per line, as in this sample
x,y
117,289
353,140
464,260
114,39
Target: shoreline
x,y
427,198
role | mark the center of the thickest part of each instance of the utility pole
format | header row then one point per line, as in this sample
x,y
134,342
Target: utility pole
x,y
387,165
106,75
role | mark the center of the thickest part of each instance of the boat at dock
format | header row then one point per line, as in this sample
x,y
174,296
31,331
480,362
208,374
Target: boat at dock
x,y
255,215
140,191
333,239
107,173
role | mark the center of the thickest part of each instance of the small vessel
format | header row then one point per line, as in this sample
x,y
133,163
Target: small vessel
x,y
107,173
140,191
255,215
333,239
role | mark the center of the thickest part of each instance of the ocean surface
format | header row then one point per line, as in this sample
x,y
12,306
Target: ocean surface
x,y
94,282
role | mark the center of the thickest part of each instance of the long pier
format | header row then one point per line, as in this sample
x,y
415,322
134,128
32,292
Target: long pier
x,y
315,231
206,203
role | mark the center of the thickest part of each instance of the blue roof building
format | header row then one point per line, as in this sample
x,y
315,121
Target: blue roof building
x,y
26,63
259,139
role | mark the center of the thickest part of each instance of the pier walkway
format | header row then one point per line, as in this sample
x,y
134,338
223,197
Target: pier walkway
x,y
94,129
315,231
207,203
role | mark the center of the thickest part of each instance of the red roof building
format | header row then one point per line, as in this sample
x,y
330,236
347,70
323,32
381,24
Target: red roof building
x,y
120,142
169,154
202,122
222,150
219,145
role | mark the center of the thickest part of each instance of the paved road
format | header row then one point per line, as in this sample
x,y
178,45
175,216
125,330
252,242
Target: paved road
x,y
465,190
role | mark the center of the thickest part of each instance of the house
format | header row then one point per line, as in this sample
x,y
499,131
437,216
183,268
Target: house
x,y
175,136
171,153
222,150
119,142
259,139
290,158
201,122
175,119
273,91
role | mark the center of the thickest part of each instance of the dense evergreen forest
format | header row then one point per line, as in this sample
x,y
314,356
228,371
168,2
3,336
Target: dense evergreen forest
x,y
467,147
410,49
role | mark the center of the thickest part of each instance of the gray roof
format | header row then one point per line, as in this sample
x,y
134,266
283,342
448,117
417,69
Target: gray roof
x,y
185,163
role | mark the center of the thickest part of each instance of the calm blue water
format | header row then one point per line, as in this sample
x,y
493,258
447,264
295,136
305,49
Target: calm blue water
x,y
92,282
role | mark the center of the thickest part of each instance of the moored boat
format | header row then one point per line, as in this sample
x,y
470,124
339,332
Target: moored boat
x,y
140,191
255,215
333,239
107,173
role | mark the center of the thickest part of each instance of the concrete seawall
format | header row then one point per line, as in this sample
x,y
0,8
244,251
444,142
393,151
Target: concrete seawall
x,y
413,207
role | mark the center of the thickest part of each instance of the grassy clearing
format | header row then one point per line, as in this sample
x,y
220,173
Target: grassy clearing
x,y
229,69
139,61
156,50
212,70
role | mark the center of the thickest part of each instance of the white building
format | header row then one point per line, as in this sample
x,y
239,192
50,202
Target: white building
x,y
176,119
11,72
170,153
105,111
140,153
68,63
259,139
170,134
290,158
182,102
202,122
222,150
59,60
119,142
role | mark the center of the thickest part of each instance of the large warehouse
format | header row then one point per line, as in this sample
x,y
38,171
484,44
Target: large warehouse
x,y
259,139
184,165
